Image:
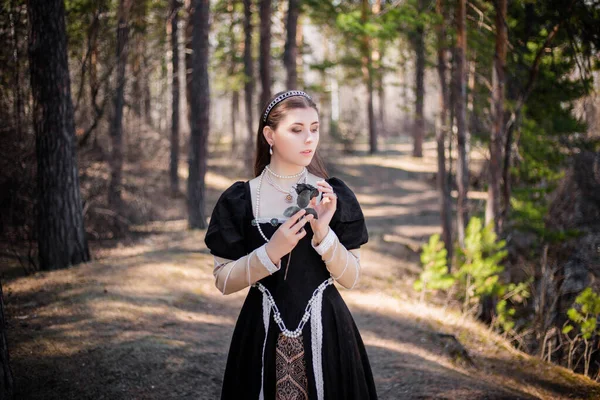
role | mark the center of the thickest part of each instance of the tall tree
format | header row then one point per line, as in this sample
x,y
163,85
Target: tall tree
x,y
290,54
440,136
175,85
265,52
418,42
462,169
199,107
248,82
61,234
367,70
139,32
378,56
492,211
116,126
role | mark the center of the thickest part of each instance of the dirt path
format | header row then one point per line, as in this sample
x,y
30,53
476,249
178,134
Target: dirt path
x,y
146,322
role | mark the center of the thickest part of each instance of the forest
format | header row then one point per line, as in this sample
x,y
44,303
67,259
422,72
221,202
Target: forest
x,y
469,131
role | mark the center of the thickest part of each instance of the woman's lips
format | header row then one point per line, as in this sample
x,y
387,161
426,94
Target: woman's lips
x,y
306,152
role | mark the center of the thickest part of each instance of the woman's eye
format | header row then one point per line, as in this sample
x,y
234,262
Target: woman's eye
x,y
315,130
296,130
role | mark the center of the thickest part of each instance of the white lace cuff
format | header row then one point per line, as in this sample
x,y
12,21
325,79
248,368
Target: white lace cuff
x,y
326,243
261,252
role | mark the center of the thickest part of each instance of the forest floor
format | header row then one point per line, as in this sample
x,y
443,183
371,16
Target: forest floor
x,y
145,321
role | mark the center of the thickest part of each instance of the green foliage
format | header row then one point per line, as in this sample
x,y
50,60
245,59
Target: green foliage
x,y
509,295
549,131
479,261
585,314
477,273
435,274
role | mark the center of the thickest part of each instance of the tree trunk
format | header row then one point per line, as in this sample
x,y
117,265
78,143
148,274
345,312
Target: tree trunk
x,y
235,112
232,71
138,17
492,212
7,379
175,85
265,53
419,46
300,46
18,95
147,92
462,170
442,178
379,76
116,126
61,233
93,62
290,54
367,69
199,105
249,82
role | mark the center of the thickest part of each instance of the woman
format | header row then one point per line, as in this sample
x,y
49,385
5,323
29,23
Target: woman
x,y
295,337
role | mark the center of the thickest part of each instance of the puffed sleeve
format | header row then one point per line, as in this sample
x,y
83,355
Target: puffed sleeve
x,y
225,234
348,221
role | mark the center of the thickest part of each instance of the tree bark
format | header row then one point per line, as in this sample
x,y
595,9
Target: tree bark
x,y
492,211
367,70
265,53
61,234
249,82
116,126
379,76
18,95
138,23
462,169
175,85
232,71
7,380
235,112
442,177
419,46
199,113
290,54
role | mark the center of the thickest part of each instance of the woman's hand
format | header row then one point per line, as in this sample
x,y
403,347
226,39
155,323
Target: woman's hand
x,y
325,210
287,236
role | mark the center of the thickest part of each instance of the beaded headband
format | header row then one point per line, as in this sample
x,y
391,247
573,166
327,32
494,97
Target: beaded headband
x,y
280,98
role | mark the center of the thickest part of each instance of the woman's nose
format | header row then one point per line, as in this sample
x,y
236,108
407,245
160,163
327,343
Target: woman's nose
x,y
310,137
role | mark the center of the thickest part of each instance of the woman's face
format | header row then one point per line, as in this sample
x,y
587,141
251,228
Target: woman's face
x,y
297,132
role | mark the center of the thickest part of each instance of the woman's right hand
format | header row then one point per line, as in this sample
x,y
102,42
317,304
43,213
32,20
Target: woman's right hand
x,y
287,236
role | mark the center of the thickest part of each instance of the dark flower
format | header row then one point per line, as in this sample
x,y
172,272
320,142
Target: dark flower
x,y
301,187
305,192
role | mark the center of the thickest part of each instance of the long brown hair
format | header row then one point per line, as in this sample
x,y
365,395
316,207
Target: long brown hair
x,y
316,166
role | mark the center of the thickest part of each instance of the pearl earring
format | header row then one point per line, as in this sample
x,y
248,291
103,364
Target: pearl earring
x,y
270,149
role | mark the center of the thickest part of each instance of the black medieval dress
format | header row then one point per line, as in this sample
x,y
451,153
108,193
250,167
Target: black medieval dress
x,y
346,372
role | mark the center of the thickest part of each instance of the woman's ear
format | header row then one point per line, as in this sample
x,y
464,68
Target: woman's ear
x,y
268,134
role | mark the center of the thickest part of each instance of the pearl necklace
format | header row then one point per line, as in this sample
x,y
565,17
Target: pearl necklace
x,y
277,315
258,205
289,197
285,176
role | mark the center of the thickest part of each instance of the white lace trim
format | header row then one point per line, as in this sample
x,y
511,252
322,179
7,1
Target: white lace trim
x,y
316,330
261,252
266,318
326,243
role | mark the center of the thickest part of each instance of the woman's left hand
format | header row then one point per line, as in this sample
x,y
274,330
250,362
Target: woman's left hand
x,y
325,210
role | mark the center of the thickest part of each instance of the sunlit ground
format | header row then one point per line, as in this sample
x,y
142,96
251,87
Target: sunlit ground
x,y
146,321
